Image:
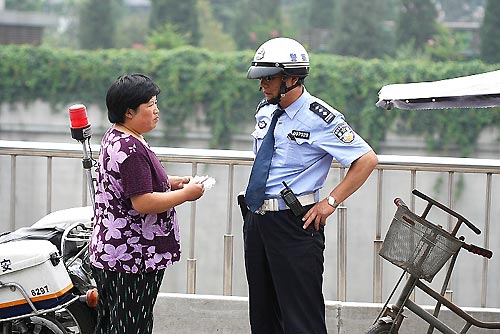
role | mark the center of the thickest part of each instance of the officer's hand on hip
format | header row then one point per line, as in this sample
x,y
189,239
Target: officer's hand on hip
x,y
318,214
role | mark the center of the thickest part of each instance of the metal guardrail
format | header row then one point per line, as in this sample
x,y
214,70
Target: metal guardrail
x,y
232,158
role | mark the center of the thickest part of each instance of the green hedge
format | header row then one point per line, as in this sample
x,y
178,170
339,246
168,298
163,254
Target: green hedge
x,y
194,79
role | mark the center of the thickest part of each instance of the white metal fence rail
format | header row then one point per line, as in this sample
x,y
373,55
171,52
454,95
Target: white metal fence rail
x,y
445,170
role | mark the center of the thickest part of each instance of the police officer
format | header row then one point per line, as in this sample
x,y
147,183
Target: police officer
x,y
283,248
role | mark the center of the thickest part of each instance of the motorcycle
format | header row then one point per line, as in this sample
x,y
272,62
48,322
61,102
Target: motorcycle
x,y
45,279
46,284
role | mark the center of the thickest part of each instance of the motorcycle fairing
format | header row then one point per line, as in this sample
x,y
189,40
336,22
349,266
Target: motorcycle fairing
x,y
31,269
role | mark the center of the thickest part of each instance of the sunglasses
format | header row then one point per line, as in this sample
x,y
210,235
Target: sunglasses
x,y
269,78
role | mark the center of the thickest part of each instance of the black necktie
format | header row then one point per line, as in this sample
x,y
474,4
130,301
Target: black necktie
x,y
254,195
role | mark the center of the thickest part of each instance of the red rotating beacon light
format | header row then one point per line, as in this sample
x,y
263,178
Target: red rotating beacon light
x,y
80,126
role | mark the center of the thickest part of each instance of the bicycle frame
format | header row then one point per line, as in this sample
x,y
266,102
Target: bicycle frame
x,y
393,315
395,312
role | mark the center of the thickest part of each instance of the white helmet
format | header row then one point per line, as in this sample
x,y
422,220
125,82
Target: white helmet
x,y
279,55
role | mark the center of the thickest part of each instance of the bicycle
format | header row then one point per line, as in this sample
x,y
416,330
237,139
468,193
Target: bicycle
x,y
421,249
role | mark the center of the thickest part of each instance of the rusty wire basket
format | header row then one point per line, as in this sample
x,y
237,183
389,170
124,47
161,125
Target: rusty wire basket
x,y
417,245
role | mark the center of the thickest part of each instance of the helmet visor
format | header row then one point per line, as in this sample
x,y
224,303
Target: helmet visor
x,y
258,72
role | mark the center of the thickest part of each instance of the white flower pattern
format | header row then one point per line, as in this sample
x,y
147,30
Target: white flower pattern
x,y
124,240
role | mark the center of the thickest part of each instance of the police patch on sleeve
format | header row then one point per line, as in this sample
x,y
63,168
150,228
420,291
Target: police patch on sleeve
x,y
322,112
344,133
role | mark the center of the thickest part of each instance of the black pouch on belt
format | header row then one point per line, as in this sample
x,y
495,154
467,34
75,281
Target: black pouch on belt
x,y
292,201
242,204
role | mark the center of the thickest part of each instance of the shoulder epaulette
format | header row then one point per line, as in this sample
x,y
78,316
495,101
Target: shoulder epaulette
x,y
261,104
326,114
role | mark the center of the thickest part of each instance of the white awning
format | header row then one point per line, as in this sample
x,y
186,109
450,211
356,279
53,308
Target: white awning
x,y
473,91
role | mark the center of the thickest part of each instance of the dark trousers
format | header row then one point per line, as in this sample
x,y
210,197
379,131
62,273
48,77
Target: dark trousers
x,y
126,301
284,267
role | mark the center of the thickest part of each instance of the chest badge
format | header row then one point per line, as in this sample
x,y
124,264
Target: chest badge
x,y
301,134
344,133
261,124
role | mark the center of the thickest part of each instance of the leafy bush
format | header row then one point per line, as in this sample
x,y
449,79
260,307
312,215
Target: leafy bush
x,y
195,81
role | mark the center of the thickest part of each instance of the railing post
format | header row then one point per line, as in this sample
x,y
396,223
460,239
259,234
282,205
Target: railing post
x,y
13,169
191,261
341,247
228,265
448,291
227,279
487,209
413,185
49,185
377,260
84,188
342,253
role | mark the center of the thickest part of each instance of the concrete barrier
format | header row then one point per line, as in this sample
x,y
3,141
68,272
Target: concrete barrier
x,y
205,314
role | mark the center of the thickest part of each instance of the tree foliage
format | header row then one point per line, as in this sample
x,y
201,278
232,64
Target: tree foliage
x,y
357,33
132,30
97,24
212,36
256,22
167,37
490,43
251,22
25,5
320,25
181,14
445,46
321,13
416,23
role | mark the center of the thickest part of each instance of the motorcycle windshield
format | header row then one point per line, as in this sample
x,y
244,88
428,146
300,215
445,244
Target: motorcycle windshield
x,y
473,91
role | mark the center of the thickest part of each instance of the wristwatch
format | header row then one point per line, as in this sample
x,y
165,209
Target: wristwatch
x,y
331,200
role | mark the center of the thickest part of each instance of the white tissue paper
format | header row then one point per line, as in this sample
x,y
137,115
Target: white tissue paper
x,y
207,181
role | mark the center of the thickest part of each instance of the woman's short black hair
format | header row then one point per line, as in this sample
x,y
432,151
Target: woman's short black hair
x,y
128,92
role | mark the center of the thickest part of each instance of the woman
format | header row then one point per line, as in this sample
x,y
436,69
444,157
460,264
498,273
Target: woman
x,y
136,234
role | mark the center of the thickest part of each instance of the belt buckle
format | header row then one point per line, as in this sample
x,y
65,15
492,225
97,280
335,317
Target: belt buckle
x,y
266,205
263,208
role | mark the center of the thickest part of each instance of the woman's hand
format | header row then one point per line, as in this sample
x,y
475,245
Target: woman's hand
x,y
178,182
187,189
193,190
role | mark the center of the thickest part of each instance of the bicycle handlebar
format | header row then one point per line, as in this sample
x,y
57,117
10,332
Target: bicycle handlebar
x,y
469,247
478,250
399,202
448,210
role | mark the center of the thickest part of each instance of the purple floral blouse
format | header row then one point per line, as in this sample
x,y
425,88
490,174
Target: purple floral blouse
x,y
124,240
